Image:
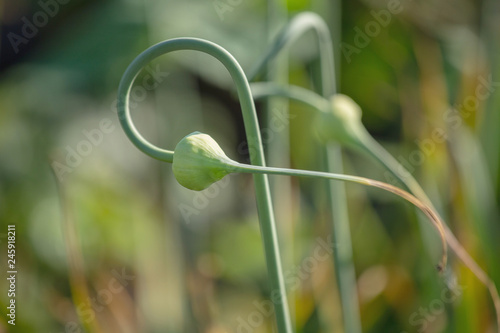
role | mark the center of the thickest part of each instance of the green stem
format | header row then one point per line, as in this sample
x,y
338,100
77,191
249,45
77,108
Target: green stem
x,y
331,161
261,90
264,203
299,25
367,144
278,149
374,149
425,208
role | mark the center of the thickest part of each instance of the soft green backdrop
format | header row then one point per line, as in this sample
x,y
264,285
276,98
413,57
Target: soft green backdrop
x,y
136,252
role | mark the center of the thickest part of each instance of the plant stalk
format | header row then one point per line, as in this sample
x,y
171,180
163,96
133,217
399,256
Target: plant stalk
x,y
331,157
424,207
374,149
368,145
264,203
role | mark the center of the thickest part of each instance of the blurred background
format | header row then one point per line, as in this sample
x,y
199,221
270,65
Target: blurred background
x,y
107,241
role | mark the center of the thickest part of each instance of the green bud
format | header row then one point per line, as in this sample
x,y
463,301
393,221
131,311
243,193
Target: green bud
x,y
199,161
341,122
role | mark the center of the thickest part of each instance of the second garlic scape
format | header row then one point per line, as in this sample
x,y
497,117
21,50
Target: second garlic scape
x,y
339,120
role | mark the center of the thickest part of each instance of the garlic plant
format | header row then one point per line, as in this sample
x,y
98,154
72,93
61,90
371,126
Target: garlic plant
x,y
331,159
263,197
339,119
198,161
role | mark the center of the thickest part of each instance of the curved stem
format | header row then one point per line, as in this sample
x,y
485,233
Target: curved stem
x,y
261,90
368,145
374,149
331,156
291,33
264,204
425,208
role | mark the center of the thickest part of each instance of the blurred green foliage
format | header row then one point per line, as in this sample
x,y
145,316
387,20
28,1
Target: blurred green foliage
x,y
195,260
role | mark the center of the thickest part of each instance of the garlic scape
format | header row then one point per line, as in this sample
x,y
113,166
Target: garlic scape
x,y
330,155
339,120
199,162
